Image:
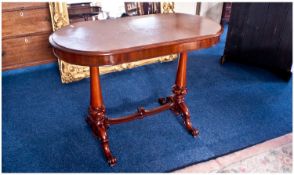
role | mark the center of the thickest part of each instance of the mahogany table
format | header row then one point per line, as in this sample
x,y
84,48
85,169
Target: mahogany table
x,y
117,41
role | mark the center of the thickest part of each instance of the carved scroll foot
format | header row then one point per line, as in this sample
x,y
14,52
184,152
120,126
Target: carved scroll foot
x,y
105,145
96,120
179,107
187,119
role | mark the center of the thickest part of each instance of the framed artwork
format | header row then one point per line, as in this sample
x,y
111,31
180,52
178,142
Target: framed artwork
x,y
142,8
132,8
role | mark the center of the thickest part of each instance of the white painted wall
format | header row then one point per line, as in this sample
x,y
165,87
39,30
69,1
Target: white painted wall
x,y
185,7
115,9
212,10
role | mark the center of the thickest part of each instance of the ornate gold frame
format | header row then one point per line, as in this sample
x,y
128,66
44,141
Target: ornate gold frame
x,y
70,72
168,7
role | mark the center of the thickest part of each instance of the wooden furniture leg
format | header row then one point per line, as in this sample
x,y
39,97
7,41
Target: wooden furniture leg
x,y
96,117
178,98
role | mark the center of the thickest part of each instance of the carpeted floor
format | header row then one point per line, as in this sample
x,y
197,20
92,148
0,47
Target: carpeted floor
x,y
234,106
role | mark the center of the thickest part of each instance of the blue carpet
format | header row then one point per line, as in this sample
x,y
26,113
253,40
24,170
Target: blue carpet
x,y
234,106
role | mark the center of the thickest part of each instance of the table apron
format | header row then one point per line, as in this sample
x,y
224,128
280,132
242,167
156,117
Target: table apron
x,y
80,58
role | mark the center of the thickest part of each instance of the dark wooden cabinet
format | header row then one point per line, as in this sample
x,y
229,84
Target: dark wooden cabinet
x,y
82,11
25,31
142,8
260,34
226,12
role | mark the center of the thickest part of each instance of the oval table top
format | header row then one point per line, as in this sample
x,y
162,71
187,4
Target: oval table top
x,y
116,41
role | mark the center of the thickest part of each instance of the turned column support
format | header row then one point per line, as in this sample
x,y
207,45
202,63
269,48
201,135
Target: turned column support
x,y
179,92
181,80
96,117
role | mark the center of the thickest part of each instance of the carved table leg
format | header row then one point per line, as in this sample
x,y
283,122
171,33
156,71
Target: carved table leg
x,y
96,117
178,97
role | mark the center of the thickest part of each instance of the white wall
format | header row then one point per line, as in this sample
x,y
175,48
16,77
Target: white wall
x,y
115,9
212,10
185,7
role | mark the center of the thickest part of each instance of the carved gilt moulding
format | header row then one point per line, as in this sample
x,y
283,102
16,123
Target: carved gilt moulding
x,y
70,72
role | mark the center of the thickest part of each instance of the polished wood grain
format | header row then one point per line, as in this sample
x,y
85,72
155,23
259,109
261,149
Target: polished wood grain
x,y
25,30
131,39
13,6
26,51
22,22
95,43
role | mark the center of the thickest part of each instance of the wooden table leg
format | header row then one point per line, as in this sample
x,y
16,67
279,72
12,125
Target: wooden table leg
x,y
179,90
96,117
